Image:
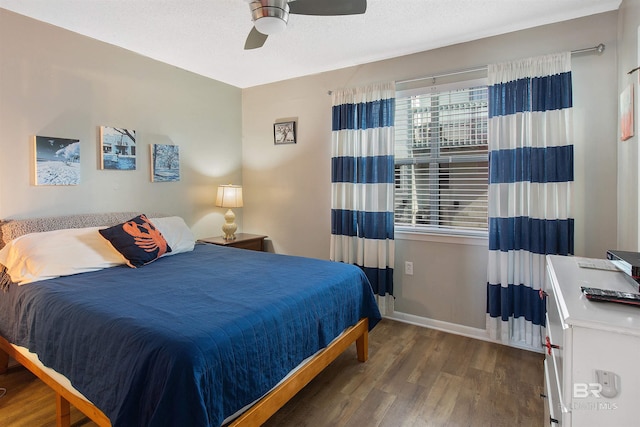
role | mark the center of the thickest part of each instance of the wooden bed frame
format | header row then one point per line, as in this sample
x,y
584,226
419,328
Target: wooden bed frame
x,y
254,416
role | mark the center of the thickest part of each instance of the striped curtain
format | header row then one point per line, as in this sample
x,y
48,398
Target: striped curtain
x,y
530,182
362,184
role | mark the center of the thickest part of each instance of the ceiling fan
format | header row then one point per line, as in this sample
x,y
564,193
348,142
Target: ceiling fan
x,y
271,16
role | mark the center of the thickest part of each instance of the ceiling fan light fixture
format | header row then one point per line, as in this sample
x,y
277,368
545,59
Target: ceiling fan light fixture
x,y
270,25
269,16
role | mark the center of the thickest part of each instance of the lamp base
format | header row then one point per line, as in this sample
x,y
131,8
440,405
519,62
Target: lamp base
x,y
229,228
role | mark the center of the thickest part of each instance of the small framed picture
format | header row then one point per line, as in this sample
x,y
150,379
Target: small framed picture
x,y
57,160
626,113
117,148
284,133
165,163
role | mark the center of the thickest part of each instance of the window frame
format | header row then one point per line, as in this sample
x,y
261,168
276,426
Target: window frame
x,y
438,233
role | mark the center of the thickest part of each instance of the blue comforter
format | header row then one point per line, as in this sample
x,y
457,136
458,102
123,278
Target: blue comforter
x,y
191,338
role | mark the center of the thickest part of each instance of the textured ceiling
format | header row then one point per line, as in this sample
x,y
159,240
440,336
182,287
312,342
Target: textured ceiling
x,y
207,37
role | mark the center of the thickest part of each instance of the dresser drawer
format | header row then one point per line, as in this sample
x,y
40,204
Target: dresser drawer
x,y
554,322
556,338
558,410
254,245
553,405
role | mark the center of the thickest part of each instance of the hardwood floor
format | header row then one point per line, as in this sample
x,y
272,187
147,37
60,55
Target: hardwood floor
x,y
422,377
414,377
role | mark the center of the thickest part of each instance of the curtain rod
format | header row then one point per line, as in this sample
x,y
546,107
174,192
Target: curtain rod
x,y
599,48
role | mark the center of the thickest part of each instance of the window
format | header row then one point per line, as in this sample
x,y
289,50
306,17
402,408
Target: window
x,y
441,160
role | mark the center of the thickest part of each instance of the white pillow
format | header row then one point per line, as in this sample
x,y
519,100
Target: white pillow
x,y
40,256
176,232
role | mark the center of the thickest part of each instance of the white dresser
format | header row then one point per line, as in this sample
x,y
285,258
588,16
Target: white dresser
x,y
586,337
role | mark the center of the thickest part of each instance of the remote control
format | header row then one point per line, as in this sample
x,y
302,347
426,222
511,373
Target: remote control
x,y
597,294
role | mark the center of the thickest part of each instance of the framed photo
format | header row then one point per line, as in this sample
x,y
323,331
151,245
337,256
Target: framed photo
x,y
165,163
57,161
284,133
626,113
117,148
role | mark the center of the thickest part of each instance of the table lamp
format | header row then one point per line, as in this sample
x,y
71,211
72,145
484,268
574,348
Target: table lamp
x,y
229,196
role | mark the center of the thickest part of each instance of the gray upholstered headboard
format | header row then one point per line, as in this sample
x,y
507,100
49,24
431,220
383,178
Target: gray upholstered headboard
x,y
12,228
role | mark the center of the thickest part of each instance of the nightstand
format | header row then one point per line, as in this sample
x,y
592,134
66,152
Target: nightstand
x,y
254,242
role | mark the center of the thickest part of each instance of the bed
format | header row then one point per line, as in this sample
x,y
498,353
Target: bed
x,y
202,335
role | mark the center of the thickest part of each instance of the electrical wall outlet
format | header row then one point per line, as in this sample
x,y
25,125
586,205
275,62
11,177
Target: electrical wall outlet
x,y
408,268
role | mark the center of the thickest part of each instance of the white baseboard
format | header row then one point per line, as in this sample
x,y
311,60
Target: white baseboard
x,y
453,328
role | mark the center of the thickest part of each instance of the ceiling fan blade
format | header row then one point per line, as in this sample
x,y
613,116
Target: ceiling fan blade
x,y
255,39
328,7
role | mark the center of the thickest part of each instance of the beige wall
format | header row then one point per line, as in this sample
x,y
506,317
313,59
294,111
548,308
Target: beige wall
x,y
628,154
288,187
57,83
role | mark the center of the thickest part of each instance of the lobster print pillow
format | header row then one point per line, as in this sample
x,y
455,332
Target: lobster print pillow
x,y
138,240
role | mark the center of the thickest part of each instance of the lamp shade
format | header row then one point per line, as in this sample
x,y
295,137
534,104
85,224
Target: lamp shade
x,y
229,196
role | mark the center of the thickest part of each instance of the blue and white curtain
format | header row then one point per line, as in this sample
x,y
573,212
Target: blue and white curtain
x,y
530,184
362,184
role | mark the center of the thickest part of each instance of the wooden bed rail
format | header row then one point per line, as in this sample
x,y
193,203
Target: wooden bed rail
x,y
276,399
254,416
63,396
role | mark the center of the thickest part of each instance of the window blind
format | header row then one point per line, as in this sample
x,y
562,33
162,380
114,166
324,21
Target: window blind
x,y
441,160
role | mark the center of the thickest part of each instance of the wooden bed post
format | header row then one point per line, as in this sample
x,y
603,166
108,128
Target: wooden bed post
x,y
63,412
362,344
4,361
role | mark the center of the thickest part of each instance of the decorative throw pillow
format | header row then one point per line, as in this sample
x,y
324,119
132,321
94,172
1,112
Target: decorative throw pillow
x,y
138,240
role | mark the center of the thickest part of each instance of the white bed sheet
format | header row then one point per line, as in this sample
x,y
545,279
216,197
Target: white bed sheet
x,y
59,378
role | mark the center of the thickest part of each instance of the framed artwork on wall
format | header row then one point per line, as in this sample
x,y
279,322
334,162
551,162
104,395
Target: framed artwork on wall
x,y
165,163
284,132
56,161
117,148
626,113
